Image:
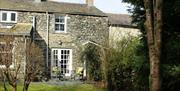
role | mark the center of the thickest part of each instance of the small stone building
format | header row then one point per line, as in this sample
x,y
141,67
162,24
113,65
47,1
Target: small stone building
x,y
120,26
60,29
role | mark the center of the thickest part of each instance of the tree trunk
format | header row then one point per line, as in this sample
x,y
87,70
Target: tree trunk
x,y
153,27
27,81
15,88
4,84
26,86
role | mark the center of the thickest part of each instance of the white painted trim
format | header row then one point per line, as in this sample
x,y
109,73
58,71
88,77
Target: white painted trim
x,y
71,62
59,54
8,16
65,24
94,44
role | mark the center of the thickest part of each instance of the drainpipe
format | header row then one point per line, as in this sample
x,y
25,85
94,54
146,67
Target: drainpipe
x,y
34,26
47,40
25,43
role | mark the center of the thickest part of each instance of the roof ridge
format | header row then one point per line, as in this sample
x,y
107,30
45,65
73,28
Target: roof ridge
x,y
66,2
118,14
50,6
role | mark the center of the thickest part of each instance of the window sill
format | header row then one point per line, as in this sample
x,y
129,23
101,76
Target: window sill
x,y
10,22
63,32
3,66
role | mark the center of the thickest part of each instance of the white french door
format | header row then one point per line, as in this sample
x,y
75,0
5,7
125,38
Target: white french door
x,y
62,58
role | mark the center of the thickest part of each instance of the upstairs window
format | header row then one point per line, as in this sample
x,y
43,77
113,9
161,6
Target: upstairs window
x,y
4,16
8,16
60,24
13,16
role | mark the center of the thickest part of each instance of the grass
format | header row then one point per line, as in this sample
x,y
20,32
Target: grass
x,y
46,87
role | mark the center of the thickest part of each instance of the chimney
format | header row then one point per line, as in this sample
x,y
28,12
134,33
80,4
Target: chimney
x,y
38,1
90,2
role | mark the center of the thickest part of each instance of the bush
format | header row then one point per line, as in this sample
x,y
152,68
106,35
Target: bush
x,y
126,66
93,62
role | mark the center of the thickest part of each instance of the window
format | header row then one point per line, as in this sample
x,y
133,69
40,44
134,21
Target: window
x,y
62,58
8,16
13,16
4,16
60,24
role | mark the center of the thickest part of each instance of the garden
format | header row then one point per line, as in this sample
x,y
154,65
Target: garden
x,y
40,86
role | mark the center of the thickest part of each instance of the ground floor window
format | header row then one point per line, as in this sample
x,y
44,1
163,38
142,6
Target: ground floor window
x,y
62,59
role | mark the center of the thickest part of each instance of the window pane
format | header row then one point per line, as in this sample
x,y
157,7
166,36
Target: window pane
x,y
62,27
56,51
57,20
13,17
68,57
56,57
67,51
62,57
53,52
65,61
57,27
67,71
4,16
61,19
65,56
56,62
62,51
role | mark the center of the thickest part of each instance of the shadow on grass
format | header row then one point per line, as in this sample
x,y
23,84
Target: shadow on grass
x,y
46,87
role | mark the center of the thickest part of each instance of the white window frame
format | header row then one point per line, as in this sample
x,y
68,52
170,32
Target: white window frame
x,y
12,65
8,16
53,63
65,24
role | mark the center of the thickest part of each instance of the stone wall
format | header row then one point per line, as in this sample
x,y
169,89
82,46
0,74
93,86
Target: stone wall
x,y
18,52
118,32
80,29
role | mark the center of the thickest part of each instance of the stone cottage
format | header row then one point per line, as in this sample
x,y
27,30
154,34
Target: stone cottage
x,y
60,29
120,26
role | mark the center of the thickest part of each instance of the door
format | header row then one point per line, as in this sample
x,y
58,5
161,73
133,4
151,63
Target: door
x,y
62,58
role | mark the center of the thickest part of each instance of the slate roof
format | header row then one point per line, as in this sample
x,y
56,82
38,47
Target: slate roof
x,y
50,6
120,19
18,29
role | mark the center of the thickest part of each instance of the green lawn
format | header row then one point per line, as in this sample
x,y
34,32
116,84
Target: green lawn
x,y
46,87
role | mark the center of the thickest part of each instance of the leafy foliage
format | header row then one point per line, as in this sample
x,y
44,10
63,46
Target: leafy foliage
x,y
93,62
125,66
170,40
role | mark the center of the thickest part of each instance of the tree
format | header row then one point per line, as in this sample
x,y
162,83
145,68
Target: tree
x,y
91,54
34,63
170,40
171,46
151,15
123,64
153,27
10,68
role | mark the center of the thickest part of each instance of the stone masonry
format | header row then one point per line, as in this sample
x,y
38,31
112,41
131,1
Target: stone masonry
x,y
80,29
